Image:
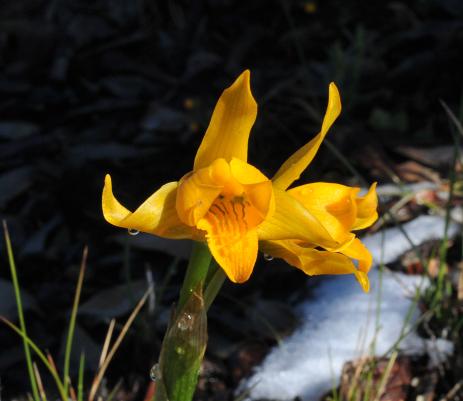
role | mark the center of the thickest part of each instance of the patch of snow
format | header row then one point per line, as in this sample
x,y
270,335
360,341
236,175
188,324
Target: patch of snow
x,y
394,189
339,322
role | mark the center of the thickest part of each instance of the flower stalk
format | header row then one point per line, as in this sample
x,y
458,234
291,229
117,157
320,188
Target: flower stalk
x,y
184,344
196,273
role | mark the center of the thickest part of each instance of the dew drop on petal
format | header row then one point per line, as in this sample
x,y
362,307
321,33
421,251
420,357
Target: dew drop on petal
x,y
132,231
155,372
268,257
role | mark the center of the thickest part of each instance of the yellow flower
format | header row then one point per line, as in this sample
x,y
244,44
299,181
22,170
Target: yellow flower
x,y
337,207
226,201
341,211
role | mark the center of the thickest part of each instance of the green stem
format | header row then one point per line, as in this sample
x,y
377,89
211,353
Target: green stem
x,y
185,341
196,272
214,285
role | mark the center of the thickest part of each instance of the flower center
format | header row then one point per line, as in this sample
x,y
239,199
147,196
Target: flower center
x,y
227,200
227,219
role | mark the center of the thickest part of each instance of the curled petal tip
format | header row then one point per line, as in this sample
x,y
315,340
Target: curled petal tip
x,y
363,280
334,98
246,75
113,211
244,80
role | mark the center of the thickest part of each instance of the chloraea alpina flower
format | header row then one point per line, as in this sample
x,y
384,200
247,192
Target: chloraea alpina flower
x,y
232,205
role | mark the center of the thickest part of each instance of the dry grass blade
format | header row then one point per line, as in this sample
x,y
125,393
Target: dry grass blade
x,y
453,391
43,396
385,377
101,371
356,382
72,321
72,392
51,362
107,341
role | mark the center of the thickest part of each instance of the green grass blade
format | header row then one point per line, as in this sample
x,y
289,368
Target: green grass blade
x,y
113,392
40,354
72,321
453,176
22,322
80,380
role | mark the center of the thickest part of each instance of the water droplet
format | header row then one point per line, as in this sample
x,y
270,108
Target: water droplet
x,y
155,372
185,322
133,231
180,350
268,257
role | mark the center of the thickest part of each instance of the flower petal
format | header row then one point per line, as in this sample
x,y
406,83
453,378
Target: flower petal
x,y
367,212
292,220
198,190
332,204
258,188
312,261
157,215
228,132
232,244
298,162
356,250
246,173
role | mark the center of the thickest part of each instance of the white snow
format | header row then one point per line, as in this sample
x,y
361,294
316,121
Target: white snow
x,y
339,322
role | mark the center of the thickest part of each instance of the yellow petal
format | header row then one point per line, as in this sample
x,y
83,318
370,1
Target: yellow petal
x,y
362,278
157,215
312,261
292,220
288,250
258,188
231,238
332,204
356,250
246,173
198,190
298,162
367,207
228,132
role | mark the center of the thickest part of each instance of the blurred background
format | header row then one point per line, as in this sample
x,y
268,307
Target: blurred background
x,y
128,87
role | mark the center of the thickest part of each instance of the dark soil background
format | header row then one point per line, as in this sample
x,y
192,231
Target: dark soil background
x,y
128,87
